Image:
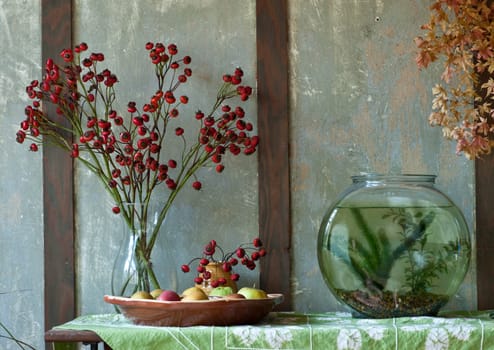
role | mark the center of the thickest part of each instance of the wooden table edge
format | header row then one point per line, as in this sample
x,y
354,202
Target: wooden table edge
x,y
67,335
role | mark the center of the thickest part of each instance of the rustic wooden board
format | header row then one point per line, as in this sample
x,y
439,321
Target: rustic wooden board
x,y
273,126
57,186
484,173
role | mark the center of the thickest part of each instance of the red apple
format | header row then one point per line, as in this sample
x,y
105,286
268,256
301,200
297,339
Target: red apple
x,y
168,295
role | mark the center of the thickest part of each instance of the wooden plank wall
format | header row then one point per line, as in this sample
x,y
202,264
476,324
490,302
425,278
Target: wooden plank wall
x,y
484,231
58,185
484,228
273,129
274,176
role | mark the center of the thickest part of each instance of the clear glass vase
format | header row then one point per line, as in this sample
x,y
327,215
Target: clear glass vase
x,y
133,268
393,245
124,277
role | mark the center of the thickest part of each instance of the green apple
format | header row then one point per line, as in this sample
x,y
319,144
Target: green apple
x,y
252,293
221,291
194,293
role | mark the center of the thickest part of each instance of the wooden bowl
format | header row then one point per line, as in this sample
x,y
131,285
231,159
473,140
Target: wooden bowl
x,y
212,312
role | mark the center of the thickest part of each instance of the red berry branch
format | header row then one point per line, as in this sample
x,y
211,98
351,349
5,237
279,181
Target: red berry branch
x,y
247,254
126,150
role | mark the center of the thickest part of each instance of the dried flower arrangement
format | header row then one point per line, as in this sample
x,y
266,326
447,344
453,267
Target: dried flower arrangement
x,y
460,35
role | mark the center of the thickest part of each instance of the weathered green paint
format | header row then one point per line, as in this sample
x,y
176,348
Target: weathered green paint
x,y
359,104
21,211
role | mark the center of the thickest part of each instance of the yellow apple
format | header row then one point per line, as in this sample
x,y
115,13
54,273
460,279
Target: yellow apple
x,y
141,295
235,296
155,293
194,293
252,293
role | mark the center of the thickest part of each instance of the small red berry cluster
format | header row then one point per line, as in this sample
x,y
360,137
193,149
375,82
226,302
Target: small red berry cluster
x,y
247,254
131,148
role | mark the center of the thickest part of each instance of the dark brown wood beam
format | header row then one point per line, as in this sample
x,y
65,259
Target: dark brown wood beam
x,y
58,191
484,220
273,128
484,235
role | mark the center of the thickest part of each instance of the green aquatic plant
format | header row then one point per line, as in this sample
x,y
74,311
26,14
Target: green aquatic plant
x,y
425,267
373,257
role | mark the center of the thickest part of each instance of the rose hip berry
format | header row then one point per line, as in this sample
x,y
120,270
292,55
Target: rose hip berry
x,y
248,253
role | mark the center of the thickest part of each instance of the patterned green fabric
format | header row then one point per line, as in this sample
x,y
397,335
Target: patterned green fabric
x,y
297,331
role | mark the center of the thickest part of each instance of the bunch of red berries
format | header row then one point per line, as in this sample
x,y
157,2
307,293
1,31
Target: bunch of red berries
x,y
126,150
247,254
132,146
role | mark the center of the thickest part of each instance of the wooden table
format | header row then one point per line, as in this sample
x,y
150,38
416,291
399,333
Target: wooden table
x,y
74,336
286,330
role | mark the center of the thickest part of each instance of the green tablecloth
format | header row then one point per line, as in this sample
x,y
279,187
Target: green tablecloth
x,y
289,330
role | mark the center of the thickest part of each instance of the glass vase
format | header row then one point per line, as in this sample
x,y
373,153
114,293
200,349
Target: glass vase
x,y
133,268
393,245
